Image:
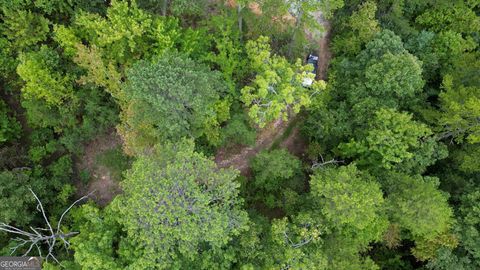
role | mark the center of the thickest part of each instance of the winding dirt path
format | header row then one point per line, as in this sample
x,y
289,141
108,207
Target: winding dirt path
x,y
239,158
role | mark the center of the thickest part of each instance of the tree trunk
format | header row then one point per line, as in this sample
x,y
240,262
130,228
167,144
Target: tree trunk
x,y
240,19
164,7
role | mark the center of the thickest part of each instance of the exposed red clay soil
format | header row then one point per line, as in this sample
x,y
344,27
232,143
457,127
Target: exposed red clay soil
x,y
101,182
239,158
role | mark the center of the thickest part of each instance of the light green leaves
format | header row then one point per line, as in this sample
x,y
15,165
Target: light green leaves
x,y
417,205
390,139
276,91
460,114
24,28
350,197
42,80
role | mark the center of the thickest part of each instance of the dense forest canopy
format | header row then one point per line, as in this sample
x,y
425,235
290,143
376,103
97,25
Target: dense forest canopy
x,y
179,134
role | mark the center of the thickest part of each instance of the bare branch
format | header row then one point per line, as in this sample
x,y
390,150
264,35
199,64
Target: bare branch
x,y
46,236
316,165
42,210
70,207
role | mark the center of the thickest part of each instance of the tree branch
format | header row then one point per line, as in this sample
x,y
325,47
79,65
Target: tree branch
x,y
48,238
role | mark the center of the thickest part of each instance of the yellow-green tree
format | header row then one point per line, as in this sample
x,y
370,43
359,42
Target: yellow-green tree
x,y
276,89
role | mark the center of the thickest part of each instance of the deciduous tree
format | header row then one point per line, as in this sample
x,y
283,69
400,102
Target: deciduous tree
x,y
417,205
177,204
351,200
390,139
277,87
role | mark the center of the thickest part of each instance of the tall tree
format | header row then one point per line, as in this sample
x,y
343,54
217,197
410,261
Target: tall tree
x,y
362,26
169,98
383,75
177,204
351,200
391,141
417,205
16,201
42,80
277,178
24,28
277,87
460,112
9,127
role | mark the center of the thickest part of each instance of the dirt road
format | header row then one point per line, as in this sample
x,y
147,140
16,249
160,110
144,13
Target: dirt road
x,y
239,158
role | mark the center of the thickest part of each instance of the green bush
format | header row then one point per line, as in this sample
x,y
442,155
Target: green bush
x,y
238,131
9,127
116,161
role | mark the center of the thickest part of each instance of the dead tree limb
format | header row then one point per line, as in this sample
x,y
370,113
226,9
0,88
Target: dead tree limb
x,y
38,236
317,164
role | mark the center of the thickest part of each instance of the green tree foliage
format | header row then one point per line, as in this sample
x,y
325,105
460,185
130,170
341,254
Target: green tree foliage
x,y
459,17
53,100
386,73
9,127
271,168
94,245
7,58
24,28
125,35
460,108
176,204
277,87
16,200
392,139
178,8
228,54
42,80
278,178
383,75
120,34
171,97
416,204
467,229
237,130
350,198
296,244
313,237
362,27
403,80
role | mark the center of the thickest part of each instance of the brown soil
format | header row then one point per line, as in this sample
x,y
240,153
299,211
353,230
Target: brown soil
x,y
295,143
239,158
324,54
101,182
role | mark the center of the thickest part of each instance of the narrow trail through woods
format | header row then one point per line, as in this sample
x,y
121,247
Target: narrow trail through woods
x,y
106,187
239,158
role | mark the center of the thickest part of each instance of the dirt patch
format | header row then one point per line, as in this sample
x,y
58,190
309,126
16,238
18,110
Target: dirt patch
x,y
101,180
295,143
322,39
239,158
324,54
